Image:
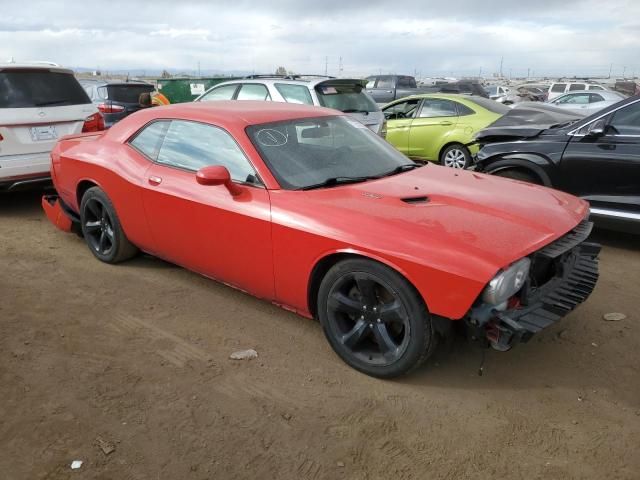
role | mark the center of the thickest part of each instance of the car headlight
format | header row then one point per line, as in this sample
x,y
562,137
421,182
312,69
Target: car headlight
x,y
507,283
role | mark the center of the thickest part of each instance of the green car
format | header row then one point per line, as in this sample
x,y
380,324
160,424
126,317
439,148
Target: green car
x,y
437,126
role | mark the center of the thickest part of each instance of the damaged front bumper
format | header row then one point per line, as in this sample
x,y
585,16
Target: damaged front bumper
x,y
59,214
562,276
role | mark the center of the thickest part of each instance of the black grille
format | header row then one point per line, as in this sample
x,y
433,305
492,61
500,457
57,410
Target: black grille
x,y
568,241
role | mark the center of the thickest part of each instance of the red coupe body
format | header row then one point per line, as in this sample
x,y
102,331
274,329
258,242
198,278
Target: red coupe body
x,y
448,232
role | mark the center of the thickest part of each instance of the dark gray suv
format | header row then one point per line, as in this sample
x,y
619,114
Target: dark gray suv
x,y
116,98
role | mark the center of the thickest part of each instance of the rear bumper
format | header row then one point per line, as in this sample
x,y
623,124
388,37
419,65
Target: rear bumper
x,y
59,214
576,272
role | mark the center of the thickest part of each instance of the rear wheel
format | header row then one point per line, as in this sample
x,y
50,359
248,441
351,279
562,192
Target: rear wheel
x,y
519,175
374,319
456,156
101,228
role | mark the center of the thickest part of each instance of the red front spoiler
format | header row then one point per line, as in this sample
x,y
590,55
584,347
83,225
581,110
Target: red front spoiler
x,y
55,213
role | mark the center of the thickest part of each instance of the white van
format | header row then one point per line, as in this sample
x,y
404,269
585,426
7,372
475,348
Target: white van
x,y
560,88
39,103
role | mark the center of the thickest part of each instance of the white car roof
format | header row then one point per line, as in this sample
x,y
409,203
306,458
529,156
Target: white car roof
x,y
35,65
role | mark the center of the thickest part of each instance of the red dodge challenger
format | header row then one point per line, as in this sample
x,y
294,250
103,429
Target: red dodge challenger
x,y
308,209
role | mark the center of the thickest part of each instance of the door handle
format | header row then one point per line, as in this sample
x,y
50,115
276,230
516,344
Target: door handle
x,y
389,91
446,122
153,180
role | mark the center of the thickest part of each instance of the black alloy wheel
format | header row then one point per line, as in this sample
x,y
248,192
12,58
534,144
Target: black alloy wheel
x,y
374,319
101,228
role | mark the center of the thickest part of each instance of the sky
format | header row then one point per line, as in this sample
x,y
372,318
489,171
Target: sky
x,y
342,37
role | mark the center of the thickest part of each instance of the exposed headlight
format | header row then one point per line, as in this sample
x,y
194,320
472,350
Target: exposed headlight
x,y
507,283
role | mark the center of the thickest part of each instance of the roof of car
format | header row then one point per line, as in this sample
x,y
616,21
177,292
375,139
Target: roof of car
x,y
227,113
112,81
311,80
606,93
35,65
448,96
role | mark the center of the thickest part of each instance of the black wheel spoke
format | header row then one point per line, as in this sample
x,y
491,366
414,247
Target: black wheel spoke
x,y
356,334
102,242
391,312
109,232
384,340
340,302
92,226
366,287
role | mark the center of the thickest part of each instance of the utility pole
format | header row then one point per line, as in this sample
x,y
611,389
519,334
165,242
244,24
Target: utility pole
x,y
198,69
501,62
624,70
528,71
610,69
326,65
340,68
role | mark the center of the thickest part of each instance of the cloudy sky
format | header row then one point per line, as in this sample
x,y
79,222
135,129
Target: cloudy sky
x,y
453,37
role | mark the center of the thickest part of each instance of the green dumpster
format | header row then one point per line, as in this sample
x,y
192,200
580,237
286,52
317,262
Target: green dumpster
x,y
180,90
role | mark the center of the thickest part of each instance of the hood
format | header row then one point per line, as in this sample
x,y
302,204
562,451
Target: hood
x,y
437,216
526,120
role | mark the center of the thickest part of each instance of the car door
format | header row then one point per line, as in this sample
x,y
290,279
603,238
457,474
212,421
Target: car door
x,y
383,90
399,116
205,228
605,168
430,129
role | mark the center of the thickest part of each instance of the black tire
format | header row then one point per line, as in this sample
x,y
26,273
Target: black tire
x,y
519,175
456,155
374,319
101,228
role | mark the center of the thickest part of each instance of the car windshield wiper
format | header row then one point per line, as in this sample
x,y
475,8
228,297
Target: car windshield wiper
x,y
399,169
52,102
333,181
355,110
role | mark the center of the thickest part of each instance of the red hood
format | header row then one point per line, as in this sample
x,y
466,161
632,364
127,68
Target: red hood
x,y
471,223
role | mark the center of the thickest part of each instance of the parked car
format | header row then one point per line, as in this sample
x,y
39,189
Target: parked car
x,y
585,102
306,208
346,95
558,88
436,127
39,103
116,99
387,88
496,91
596,158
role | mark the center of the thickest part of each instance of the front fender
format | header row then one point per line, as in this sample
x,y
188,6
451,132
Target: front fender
x,y
524,161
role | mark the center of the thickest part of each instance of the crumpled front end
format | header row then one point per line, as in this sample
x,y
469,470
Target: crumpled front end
x,y
58,214
562,275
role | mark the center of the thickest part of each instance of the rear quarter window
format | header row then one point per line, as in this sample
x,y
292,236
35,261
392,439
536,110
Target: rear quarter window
x,y
30,88
295,93
558,87
148,140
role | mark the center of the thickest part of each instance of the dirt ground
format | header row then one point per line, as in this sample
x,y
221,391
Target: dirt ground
x,y
136,357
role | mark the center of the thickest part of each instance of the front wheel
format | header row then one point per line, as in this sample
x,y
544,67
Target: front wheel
x,y
374,319
101,228
456,156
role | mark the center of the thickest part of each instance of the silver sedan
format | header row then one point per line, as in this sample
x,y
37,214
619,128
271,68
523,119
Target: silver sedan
x,y
585,102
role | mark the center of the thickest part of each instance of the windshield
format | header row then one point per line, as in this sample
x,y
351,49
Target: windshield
x,y
346,98
309,151
39,88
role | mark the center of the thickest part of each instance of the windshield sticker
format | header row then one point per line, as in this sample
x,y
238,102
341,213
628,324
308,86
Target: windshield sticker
x,y
268,137
329,90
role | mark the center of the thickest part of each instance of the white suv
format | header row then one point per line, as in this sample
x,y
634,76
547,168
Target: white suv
x,y
39,103
560,88
346,95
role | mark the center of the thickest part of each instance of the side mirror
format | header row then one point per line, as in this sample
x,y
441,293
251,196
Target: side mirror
x,y
217,175
596,129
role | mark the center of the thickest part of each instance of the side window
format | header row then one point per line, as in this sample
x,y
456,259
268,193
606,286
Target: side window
x,y
438,107
595,87
220,93
295,93
558,87
577,99
626,121
463,109
192,145
406,109
406,82
102,92
253,91
149,139
371,82
594,98
385,83
577,86
89,90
